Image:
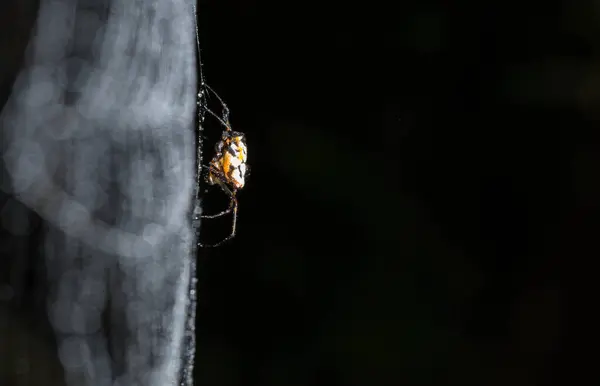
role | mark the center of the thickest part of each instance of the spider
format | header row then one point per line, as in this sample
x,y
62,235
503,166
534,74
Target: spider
x,y
228,167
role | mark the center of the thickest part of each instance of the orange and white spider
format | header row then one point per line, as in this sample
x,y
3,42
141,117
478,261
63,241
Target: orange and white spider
x,y
228,167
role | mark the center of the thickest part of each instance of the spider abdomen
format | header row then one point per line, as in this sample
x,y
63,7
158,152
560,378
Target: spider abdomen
x,y
230,161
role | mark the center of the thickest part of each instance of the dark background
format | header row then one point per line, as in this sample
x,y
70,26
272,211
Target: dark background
x,y
423,204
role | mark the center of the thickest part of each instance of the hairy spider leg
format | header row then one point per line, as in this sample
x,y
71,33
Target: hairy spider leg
x,y
225,118
229,192
223,122
223,104
233,228
233,206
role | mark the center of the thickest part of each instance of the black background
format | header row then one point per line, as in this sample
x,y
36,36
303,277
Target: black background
x,y
423,204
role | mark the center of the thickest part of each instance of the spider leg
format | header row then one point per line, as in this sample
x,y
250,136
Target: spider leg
x,y
224,186
225,108
226,124
224,119
234,205
222,213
